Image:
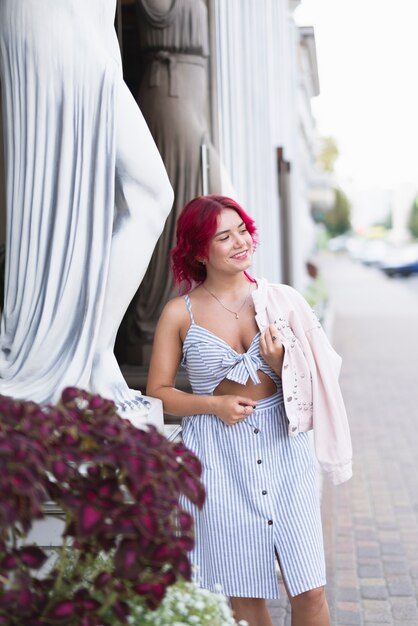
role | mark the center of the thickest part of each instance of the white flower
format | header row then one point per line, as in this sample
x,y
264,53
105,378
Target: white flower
x,y
185,604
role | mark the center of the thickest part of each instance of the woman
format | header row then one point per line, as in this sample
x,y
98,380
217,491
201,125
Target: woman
x,y
262,372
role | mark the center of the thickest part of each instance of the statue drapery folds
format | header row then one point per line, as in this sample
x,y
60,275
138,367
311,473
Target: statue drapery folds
x,y
174,98
84,181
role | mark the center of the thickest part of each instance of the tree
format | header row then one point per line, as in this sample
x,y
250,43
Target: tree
x,y
413,218
337,219
328,153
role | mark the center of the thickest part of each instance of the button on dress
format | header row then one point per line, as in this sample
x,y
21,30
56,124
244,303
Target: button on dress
x,y
261,493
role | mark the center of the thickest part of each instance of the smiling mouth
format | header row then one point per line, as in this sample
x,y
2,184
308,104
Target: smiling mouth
x,y
239,254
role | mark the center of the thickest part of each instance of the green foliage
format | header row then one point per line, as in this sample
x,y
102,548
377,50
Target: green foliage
x,y
317,295
413,219
328,153
337,219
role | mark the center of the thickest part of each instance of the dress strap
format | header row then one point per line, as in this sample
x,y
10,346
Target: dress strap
x,y
189,307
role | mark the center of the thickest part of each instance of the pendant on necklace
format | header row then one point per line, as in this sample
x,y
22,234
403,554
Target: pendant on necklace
x,y
236,316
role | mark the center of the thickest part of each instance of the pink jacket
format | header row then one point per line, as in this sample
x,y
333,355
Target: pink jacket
x,y
311,368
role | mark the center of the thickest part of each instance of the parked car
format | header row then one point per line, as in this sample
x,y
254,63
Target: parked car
x,y
374,252
402,262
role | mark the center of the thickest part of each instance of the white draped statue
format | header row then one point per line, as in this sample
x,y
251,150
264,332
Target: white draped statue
x,y
87,196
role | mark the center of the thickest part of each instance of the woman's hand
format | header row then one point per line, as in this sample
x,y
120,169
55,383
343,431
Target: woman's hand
x,y
232,409
271,349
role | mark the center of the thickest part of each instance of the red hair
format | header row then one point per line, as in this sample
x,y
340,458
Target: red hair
x,y
196,225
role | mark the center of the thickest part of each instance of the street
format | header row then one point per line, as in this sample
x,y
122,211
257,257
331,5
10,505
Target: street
x,y
371,522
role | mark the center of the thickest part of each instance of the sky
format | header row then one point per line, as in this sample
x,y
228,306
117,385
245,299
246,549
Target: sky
x,y
368,70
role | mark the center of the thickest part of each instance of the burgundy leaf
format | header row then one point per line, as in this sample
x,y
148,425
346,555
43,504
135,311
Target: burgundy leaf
x,y
124,526
108,488
102,580
184,568
148,524
158,591
110,431
135,465
90,604
126,560
60,469
122,611
193,464
93,471
161,554
21,481
7,599
185,521
69,394
70,439
32,556
24,600
168,578
153,464
148,495
143,588
97,402
83,599
89,519
194,490
61,612
186,543
9,562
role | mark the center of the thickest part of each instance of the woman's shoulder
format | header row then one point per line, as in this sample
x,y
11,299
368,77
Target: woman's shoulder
x,y
175,308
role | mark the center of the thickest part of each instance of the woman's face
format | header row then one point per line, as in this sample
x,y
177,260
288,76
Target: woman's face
x,y
231,248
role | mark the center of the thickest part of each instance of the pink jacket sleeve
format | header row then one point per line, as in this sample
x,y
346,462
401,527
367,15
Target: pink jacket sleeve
x,y
330,424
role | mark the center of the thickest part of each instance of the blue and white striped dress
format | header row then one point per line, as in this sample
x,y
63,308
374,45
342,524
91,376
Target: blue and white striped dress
x,y
261,494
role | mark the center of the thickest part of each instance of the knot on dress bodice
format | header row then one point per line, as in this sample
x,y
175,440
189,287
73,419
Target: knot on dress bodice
x,y
209,360
240,367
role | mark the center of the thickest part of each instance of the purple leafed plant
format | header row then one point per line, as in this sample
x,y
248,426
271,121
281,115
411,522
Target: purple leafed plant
x,y
118,487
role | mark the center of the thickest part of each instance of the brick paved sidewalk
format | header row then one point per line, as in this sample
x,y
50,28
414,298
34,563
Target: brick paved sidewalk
x,y
371,522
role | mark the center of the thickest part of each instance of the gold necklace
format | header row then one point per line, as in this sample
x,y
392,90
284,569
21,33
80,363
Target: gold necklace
x,y
225,307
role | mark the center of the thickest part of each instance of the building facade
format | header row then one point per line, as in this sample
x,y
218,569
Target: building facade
x,y
265,77
262,75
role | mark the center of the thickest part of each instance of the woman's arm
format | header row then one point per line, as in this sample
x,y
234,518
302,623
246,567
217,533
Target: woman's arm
x,y
165,360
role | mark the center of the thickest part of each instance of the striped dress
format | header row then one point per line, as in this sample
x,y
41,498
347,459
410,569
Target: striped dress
x,y
261,494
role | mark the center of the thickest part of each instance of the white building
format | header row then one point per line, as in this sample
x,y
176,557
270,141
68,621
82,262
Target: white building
x,y
265,76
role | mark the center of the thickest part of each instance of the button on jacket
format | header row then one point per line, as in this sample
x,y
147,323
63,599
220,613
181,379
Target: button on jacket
x,y
311,367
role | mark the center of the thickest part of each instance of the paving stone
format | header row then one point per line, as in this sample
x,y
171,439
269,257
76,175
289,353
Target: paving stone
x,y
348,594
368,551
395,567
379,616
405,609
392,548
401,586
371,570
349,618
373,592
